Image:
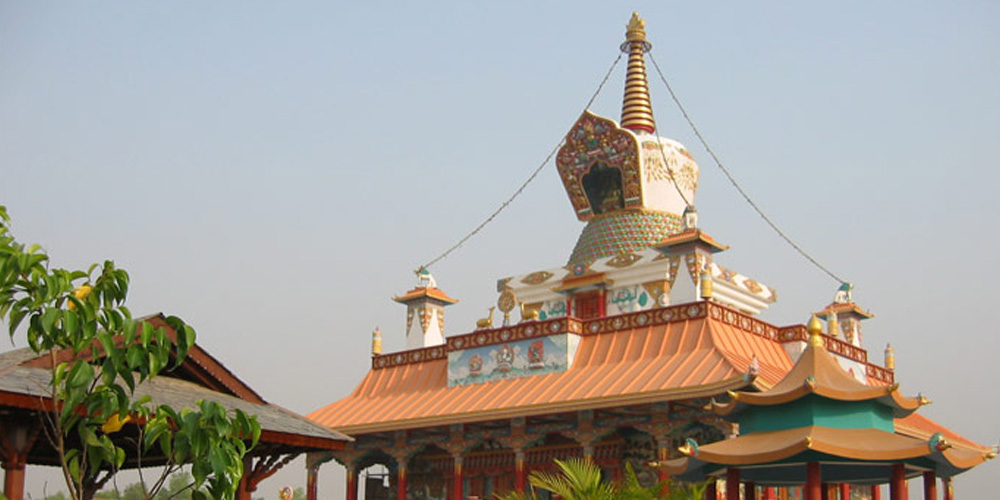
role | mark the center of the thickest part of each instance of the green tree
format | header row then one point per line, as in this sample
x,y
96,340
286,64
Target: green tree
x,y
93,396
580,479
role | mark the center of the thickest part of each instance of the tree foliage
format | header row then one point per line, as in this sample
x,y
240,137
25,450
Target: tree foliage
x,y
94,396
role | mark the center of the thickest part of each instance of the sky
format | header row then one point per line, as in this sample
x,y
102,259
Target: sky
x,y
273,172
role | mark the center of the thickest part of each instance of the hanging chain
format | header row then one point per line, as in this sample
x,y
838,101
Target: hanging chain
x,y
524,185
732,180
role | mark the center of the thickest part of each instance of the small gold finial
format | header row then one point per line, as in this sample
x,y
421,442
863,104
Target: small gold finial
x,y
890,357
814,327
376,342
706,285
832,326
636,29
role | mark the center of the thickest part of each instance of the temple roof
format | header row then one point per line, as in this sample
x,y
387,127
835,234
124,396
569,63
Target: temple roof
x,y
818,372
428,292
682,352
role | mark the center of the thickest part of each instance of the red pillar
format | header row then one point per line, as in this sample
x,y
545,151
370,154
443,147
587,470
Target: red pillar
x,y
662,455
949,492
712,492
930,485
13,481
897,485
457,486
749,490
732,483
814,482
876,492
770,494
312,491
845,491
401,479
520,474
825,493
352,484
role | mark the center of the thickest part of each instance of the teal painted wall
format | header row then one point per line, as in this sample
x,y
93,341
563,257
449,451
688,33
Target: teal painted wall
x,y
817,410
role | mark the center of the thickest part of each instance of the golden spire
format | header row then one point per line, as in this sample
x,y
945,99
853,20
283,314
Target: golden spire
x,y
814,327
637,113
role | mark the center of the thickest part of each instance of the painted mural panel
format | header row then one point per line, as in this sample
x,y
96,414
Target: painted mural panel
x,y
515,359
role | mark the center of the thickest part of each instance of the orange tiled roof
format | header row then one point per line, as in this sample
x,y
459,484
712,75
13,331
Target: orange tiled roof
x,y
700,356
919,426
420,292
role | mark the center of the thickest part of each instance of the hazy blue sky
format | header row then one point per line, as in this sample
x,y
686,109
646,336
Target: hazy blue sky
x,y
274,171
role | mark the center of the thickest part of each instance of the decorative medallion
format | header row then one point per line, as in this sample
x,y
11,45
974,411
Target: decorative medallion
x,y
409,319
623,260
507,301
536,278
675,264
752,285
440,318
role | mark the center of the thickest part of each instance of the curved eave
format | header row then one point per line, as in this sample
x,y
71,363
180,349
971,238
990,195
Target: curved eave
x,y
818,372
866,445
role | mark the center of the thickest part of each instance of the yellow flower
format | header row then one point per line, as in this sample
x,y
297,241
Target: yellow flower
x,y
114,424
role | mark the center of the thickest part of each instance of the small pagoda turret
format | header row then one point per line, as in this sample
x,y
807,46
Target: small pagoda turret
x,y
820,426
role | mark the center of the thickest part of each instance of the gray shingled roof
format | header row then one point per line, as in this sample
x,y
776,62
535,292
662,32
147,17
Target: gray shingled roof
x,y
177,393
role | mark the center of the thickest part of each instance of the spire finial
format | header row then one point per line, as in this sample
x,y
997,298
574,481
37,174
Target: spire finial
x,y
814,327
637,113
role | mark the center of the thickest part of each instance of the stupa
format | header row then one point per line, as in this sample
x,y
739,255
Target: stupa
x,y
612,356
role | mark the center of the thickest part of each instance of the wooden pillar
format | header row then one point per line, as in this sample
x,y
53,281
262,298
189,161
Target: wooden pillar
x,y
457,493
13,481
312,475
732,483
930,485
352,483
770,494
897,484
876,492
845,491
520,474
401,478
750,490
949,492
246,487
662,455
814,482
712,492
825,494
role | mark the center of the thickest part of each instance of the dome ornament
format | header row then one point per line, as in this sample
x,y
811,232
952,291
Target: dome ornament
x,y
635,32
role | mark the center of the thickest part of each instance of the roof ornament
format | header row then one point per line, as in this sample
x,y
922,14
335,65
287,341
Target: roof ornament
x,y
814,327
424,278
754,368
890,357
843,295
637,113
